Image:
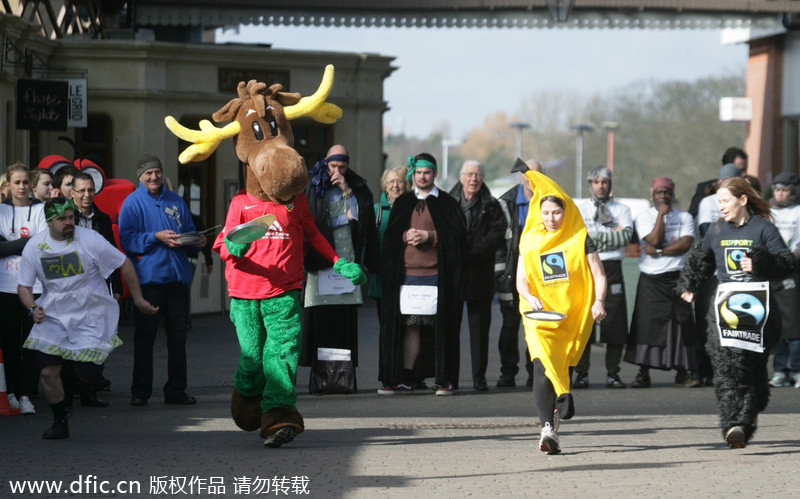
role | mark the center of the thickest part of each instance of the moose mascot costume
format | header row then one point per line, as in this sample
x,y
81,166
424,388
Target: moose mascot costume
x,y
262,245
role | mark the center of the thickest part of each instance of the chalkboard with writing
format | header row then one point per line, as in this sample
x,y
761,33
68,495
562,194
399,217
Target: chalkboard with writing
x,y
42,105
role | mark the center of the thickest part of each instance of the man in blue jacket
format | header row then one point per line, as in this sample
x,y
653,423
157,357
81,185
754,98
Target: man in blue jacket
x,y
151,221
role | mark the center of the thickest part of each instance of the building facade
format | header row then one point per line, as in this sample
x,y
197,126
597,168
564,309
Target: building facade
x,y
133,84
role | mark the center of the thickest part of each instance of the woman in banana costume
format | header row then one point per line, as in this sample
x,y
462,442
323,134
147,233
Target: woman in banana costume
x,y
560,272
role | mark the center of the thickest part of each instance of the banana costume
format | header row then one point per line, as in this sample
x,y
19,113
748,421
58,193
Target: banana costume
x,y
558,274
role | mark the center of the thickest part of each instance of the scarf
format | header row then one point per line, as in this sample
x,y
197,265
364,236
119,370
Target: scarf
x,y
468,207
602,215
321,177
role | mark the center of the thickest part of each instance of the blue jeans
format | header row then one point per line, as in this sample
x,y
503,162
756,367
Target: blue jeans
x,y
786,356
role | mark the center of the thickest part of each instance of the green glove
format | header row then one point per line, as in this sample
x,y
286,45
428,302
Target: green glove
x,y
350,270
236,249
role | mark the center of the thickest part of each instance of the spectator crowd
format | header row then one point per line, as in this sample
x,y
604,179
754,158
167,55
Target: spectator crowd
x,y
716,295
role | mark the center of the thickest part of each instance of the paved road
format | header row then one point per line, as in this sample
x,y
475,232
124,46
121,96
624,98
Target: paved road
x,y
658,442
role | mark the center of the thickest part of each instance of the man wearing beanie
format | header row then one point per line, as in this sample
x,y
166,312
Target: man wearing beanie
x,y
662,330
610,226
786,214
341,203
733,155
151,221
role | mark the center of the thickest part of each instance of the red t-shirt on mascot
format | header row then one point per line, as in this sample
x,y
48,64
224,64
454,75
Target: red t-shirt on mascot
x,y
274,264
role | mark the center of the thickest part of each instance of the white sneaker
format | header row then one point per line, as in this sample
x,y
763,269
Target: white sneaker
x,y
549,441
26,406
12,401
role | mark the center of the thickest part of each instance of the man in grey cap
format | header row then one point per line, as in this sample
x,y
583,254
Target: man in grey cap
x,y
610,225
151,221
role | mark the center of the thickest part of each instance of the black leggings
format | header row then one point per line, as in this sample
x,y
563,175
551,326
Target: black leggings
x,y
544,395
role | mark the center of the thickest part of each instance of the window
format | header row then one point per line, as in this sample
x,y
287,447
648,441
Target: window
x,y
95,142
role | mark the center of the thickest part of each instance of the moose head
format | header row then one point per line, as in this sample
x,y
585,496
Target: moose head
x,y
262,135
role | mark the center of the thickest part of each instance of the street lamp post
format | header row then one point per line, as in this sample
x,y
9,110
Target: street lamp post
x,y
446,143
580,128
520,126
610,126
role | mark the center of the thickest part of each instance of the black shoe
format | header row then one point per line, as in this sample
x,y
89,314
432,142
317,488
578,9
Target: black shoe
x,y
581,380
480,385
58,431
104,385
138,401
642,380
613,381
421,385
181,399
280,437
93,401
506,382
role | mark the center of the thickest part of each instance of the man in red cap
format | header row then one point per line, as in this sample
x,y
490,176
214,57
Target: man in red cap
x,y
662,330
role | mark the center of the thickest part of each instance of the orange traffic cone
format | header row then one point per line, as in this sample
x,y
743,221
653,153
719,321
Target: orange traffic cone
x,y
5,408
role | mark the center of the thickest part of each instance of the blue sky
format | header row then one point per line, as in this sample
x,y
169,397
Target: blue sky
x,y
463,75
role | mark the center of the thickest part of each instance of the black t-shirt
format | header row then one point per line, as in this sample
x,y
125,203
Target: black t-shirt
x,y
730,243
590,247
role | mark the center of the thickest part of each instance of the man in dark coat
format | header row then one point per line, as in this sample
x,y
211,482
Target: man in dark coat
x,y
486,227
733,155
89,216
341,204
514,203
424,240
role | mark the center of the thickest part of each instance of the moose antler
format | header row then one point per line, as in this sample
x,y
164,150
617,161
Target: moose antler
x,y
314,106
204,141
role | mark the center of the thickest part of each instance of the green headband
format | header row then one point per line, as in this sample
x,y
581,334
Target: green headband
x,y
413,164
54,210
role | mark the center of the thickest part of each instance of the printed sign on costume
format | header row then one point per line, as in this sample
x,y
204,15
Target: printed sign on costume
x,y
554,266
742,309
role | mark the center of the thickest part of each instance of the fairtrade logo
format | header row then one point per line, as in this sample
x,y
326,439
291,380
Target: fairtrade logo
x,y
553,266
733,259
553,260
742,311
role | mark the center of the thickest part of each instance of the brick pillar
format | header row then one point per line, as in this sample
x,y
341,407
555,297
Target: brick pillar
x,y
764,138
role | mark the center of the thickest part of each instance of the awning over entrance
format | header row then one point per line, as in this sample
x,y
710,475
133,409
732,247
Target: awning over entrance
x,y
468,14
645,14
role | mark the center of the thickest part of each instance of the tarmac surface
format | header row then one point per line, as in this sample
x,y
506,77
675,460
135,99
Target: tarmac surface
x,y
656,442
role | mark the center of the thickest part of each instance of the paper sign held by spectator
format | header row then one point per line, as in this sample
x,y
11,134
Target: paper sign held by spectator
x,y
331,283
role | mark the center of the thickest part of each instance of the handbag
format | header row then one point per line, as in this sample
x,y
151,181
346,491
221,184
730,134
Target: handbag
x,y
332,376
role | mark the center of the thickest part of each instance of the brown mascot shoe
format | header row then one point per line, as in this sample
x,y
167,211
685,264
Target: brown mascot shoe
x,y
246,411
280,425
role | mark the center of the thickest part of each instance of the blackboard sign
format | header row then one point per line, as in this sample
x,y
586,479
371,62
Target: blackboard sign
x,y
42,105
229,78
